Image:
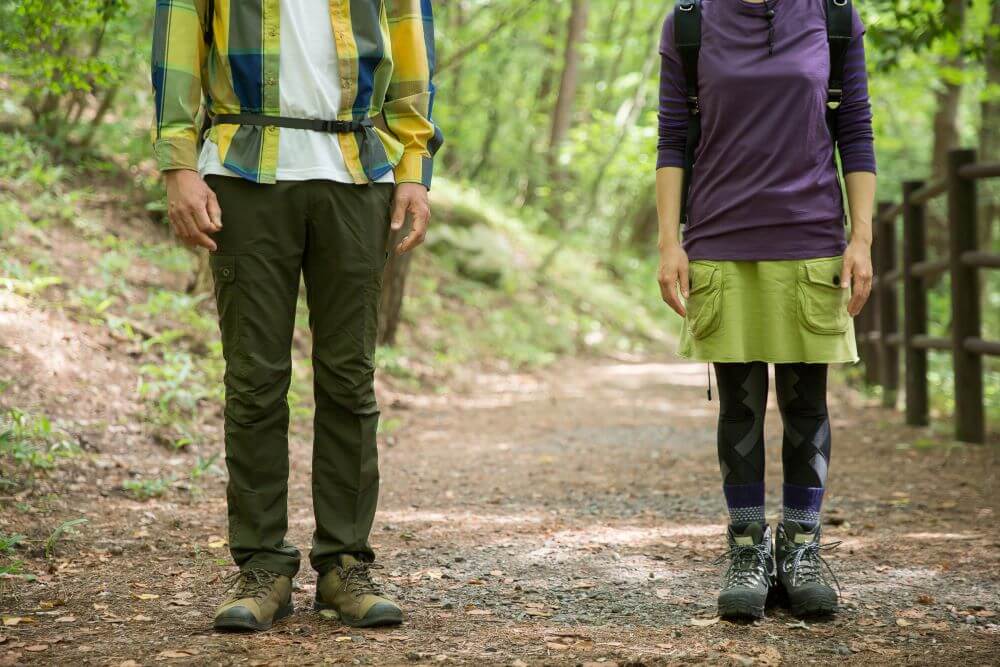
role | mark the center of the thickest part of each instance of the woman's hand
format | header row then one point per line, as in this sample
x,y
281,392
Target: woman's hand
x,y
857,273
673,273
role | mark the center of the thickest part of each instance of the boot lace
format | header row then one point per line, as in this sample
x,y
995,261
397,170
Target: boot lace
x,y
252,583
357,579
748,565
806,563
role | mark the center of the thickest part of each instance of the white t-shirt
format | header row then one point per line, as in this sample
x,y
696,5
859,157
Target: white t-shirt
x,y
309,86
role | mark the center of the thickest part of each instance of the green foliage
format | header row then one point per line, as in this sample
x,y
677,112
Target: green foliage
x,y
31,441
59,55
63,530
145,489
8,563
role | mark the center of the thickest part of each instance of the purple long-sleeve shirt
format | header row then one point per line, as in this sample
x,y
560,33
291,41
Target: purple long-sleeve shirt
x,y
764,184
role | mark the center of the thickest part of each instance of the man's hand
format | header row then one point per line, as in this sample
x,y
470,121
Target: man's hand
x,y
193,209
673,273
857,273
410,198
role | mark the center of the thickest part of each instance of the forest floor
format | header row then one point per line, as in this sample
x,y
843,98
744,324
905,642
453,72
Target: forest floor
x,y
565,516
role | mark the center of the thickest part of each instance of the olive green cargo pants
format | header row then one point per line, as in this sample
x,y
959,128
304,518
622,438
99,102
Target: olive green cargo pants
x,y
335,235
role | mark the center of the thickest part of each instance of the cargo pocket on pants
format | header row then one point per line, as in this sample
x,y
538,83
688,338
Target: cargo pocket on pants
x,y
704,306
822,302
228,302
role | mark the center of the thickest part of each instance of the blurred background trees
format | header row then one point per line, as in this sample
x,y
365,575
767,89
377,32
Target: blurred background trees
x,y
544,191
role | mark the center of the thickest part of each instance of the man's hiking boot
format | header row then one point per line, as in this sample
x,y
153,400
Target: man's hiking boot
x,y
258,599
348,590
750,574
801,574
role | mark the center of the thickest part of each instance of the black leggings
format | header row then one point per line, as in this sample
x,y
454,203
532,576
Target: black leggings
x,y
805,450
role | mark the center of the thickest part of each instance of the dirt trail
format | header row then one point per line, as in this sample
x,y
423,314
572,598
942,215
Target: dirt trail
x,y
570,516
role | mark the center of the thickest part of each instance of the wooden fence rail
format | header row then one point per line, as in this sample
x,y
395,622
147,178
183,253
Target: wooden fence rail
x,y
880,339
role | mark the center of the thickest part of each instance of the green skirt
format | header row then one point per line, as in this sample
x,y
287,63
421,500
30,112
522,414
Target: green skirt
x,y
785,311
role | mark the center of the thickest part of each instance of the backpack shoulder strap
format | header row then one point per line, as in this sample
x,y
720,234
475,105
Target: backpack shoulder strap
x,y
687,39
839,24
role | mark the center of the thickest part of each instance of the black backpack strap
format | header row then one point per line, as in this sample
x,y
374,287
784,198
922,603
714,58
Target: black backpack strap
x,y
687,40
839,24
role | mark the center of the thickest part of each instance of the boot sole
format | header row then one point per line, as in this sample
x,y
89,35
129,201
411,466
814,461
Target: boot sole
x,y
246,625
377,621
812,606
741,606
735,610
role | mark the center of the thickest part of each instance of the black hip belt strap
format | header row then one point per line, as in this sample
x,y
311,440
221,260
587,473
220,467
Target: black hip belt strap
x,y
316,125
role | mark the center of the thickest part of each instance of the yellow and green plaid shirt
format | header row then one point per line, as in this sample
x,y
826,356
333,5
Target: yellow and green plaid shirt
x,y
228,50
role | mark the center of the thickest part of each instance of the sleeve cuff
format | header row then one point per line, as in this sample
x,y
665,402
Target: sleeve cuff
x,y
176,153
414,168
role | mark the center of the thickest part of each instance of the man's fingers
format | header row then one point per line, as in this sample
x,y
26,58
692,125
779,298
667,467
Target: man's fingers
x,y
204,240
420,215
214,210
399,209
189,232
411,241
203,220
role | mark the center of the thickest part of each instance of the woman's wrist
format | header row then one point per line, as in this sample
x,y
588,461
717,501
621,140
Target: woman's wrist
x,y
861,239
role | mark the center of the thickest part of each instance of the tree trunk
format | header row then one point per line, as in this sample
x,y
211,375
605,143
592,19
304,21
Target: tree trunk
x,y
201,280
989,133
946,136
562,117
393,288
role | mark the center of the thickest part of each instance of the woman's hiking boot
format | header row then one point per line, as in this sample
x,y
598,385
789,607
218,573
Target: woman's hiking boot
x,y
804,577
750,574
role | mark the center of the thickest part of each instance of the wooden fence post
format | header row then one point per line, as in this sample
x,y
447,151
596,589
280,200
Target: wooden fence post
x,y
914,306
970,424
888,315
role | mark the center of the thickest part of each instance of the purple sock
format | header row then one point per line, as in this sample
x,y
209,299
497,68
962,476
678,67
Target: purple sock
x,y
802,504
745,502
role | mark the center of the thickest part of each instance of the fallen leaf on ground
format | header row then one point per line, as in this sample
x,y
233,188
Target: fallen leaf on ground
x,y
556,646
37,648
141,619
344,638
903,623
925,599
329,614
147,596
16,620
479,612
703,622
66,619
167,655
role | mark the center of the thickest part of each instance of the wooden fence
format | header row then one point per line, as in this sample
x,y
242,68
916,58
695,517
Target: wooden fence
x,y
880,339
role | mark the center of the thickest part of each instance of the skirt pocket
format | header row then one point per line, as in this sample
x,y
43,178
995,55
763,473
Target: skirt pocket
x,y
704,306
822,302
